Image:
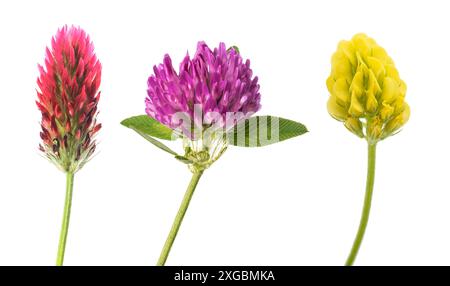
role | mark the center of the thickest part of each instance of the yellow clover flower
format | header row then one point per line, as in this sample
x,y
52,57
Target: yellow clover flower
x,y
367,94
366,91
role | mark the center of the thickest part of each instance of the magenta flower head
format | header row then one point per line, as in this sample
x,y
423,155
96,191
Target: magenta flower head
x,y
67,98
215,88
209,95
209,104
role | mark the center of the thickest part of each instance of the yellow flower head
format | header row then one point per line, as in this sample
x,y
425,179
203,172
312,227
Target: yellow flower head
x,y
366,92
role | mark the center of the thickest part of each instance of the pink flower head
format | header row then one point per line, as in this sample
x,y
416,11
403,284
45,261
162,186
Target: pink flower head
x,y
213,88
67,98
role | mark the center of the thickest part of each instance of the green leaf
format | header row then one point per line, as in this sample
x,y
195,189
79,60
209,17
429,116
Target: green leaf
x,y
157,143
149,126
261,131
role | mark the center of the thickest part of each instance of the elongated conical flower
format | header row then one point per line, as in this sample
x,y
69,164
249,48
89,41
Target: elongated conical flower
x,y
67,98
218,82
367,93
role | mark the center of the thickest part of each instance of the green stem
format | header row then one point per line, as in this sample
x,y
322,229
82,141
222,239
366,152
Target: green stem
x,y
179,218
65,221
367,203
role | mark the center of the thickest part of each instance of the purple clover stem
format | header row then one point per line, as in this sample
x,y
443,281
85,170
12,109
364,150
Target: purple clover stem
x,y
367,204
66,218
179,218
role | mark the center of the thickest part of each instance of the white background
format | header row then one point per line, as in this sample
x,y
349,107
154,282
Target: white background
x,y
295,203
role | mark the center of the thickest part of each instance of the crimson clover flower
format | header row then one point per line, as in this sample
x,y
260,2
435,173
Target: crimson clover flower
x,y
67,98
209,104
68,95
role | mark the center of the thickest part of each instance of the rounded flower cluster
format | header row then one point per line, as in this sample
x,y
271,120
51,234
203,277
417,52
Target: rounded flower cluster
x,y
209,89
366,92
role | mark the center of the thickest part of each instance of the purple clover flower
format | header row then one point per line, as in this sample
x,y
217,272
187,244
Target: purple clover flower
x,y
210,94
214,88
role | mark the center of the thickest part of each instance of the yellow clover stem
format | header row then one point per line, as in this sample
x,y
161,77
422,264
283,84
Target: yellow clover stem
x,y
179,218
367,203
66,219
